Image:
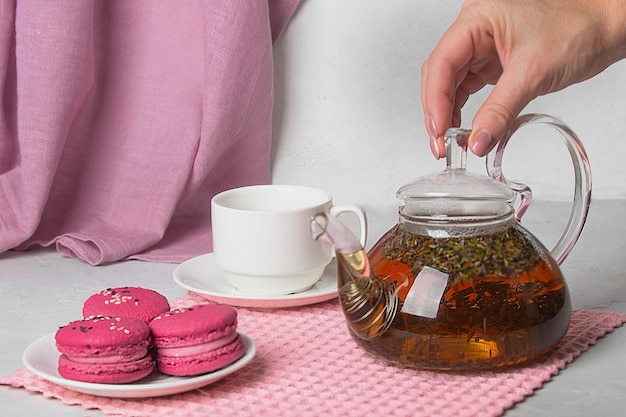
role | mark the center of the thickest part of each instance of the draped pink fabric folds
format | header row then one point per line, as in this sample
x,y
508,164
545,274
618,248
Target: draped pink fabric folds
x,y
121,119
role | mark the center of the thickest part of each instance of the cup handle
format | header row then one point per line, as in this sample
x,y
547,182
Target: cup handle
x,y
359,212
582,176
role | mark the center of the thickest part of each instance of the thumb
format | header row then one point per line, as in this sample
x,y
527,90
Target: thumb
x,y
493,118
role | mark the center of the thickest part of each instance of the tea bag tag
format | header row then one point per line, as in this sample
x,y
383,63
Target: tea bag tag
x,y
425,294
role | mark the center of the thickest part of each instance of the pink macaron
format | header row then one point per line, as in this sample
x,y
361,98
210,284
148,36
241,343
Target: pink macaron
x,y
196,340
107,350
139,303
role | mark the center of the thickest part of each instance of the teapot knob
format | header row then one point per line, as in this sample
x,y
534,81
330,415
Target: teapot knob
x,y
582,177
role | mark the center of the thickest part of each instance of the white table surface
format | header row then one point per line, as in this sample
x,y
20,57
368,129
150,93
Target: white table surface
x,y
41,290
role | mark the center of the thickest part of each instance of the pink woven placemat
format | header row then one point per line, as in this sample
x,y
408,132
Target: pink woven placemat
x,y
307,365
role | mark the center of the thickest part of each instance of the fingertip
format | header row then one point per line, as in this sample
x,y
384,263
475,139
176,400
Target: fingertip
x,y
433,147
431,127
481,142
437,147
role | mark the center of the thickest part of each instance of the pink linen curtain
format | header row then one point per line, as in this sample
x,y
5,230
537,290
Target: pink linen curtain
x,y
120,119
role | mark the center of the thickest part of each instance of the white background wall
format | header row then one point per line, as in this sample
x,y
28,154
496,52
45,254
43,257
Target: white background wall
x,y
348,115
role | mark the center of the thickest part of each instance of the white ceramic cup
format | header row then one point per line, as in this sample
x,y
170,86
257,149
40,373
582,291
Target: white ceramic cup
x,y
262,239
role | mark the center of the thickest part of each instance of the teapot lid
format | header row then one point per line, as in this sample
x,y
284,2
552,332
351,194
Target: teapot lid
x,y
454,191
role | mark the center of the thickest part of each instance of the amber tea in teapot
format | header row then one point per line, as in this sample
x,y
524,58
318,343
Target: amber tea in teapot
x,y
502,300
458,283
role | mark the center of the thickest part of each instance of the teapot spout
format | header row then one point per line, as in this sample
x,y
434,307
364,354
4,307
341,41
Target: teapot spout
x,y
369,304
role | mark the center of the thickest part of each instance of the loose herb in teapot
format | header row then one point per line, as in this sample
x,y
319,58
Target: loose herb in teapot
x,y
502,254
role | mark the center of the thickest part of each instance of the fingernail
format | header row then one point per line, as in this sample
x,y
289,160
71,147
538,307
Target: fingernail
x,y
432,132
432,127
480,144
434,148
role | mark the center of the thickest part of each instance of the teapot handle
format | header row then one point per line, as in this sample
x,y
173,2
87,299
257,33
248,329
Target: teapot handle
x,y
582,176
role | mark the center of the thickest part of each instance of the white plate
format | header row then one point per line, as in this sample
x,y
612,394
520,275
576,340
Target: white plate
x,y
41,357
202,275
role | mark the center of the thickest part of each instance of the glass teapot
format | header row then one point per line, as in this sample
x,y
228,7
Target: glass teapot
x,y
458,283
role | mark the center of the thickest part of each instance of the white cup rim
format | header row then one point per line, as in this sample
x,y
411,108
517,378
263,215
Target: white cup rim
x,y
228,199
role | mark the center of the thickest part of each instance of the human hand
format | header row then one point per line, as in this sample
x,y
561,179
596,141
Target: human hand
x,y
526,48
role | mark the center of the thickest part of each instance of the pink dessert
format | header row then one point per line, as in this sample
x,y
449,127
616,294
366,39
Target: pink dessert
x,y
139,303
108,350
196,340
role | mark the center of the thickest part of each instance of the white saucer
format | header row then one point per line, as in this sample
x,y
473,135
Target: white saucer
x,y
201,275
41,358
